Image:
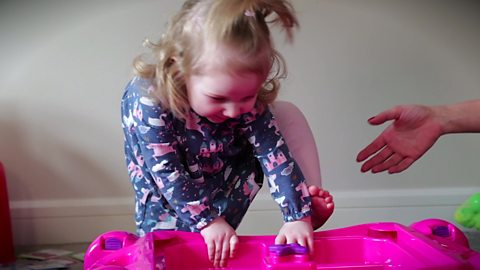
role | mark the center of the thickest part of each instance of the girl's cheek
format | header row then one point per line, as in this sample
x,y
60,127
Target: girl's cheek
x,y
250,106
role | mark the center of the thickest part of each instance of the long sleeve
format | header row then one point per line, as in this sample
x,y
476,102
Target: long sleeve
x,y
158,150
286,182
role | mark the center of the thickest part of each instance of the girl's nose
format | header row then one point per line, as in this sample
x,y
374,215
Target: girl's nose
x,y
232,111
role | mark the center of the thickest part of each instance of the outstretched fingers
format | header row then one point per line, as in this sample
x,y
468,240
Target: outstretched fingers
x,y
372,148
379,142
387,115
403,165
393,160
377,159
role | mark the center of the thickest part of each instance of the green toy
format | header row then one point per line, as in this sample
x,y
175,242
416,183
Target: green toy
x,y
468,214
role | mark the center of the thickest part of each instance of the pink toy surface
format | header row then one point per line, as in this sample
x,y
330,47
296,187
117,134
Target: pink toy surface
x,y
427,244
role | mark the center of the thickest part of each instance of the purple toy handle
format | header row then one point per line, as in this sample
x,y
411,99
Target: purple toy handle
x,y
288,249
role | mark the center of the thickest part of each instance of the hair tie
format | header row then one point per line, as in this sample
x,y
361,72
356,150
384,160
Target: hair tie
x,y
249,13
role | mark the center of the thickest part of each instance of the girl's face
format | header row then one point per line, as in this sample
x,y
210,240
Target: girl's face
x,y
219,94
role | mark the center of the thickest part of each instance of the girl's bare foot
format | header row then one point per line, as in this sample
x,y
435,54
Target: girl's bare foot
x,y
322,206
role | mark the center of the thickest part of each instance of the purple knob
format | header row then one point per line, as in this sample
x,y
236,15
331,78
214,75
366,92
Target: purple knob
x,y
112,243
288,249
442,231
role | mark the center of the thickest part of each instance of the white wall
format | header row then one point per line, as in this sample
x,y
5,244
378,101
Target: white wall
x,y
64,65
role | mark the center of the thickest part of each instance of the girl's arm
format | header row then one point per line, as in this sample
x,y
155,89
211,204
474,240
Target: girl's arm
x,y
159,149
285,179
187,196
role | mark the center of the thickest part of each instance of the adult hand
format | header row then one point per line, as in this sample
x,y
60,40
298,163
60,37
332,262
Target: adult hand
x,y
414,130
299,232
221,240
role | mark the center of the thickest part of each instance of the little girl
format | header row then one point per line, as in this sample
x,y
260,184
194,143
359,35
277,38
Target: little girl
x,y
199,132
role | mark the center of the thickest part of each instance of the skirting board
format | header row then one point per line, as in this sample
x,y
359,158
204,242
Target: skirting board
x,y
81,221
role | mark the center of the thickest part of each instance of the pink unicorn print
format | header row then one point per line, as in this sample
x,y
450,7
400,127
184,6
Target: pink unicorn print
x,y
160,149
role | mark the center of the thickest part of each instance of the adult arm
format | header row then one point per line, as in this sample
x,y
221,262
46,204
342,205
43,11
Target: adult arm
x,y
414,130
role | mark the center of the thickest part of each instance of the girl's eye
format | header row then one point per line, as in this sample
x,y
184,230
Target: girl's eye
x,y
249,98
223,99
218,99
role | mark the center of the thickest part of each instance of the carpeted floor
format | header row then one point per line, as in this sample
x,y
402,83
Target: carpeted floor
x,y
74,257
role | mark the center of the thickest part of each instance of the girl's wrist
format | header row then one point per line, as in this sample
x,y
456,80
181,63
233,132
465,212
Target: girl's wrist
x,y
307,219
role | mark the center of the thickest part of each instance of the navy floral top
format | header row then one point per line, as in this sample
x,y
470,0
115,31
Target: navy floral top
x,y
185,173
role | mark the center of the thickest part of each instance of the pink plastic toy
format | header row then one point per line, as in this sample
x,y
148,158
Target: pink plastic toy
x,y
427,244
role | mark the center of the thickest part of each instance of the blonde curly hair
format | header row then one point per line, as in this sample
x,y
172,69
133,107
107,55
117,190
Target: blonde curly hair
x,y
239,24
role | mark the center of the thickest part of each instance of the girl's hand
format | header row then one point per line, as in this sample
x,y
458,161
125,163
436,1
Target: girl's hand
x,y
300,232
221,240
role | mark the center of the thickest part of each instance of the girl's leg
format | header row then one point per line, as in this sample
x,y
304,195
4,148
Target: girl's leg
x,y
299,137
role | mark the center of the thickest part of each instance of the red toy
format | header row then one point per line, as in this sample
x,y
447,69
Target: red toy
x,y
7,252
